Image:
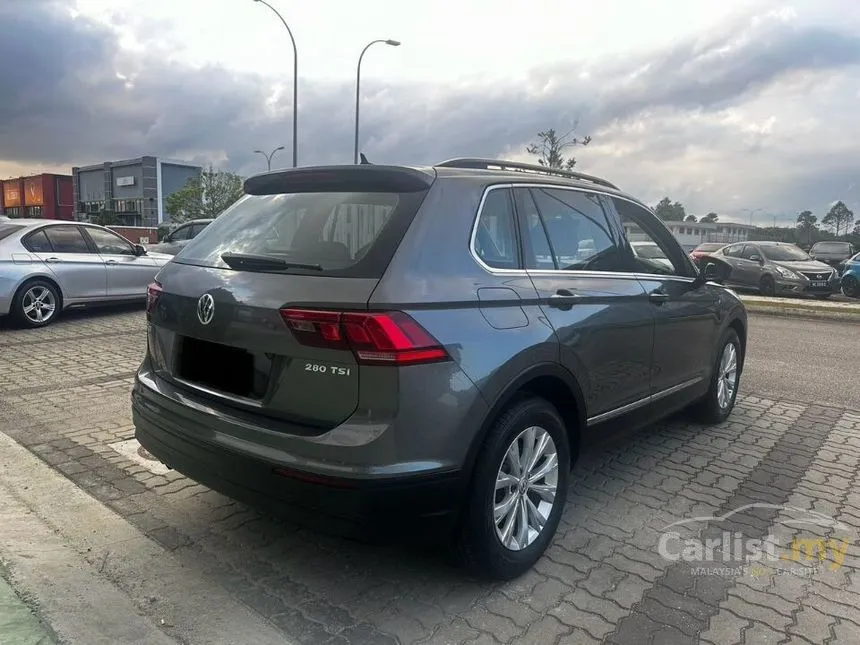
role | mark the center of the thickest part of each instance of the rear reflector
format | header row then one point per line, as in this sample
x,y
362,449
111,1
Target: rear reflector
x,y
152,293
391,338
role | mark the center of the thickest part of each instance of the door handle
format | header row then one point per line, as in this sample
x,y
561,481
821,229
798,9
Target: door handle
x,y
563,298
658,297
110,261
53,260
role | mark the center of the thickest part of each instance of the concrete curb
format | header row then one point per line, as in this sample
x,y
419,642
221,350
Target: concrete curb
x,y
96,579
824,310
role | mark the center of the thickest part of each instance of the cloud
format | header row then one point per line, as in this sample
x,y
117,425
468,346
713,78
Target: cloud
x,y
759,112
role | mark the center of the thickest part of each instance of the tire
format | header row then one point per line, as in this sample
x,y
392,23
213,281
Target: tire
x,y
850,287
713,407
767,286
477,545
42,293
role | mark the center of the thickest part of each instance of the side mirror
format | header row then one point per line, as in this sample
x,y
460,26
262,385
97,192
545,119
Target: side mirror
x,y
712,270
139,250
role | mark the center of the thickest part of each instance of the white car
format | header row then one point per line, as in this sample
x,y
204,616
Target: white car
x,y
650,252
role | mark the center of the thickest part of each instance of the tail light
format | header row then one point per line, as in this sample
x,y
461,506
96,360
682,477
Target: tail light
x,y
391,338
152,293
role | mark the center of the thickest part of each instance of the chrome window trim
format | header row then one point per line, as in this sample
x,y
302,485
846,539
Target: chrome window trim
x,y
554,272
635,405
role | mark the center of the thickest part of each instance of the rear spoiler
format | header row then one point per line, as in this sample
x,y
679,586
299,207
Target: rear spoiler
x,y
367,178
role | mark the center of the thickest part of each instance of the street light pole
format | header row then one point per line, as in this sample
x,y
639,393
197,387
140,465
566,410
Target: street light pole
x,y
269,156
392,43
295,84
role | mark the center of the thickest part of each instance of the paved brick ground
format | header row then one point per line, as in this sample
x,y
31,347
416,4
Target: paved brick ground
x,y
64,395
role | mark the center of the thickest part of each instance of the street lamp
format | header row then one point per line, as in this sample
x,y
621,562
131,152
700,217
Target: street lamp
x,y
295,84
751,211
269,156
392,43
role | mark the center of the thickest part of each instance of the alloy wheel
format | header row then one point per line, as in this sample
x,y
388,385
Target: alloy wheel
x,y
526,486
727,376
38,304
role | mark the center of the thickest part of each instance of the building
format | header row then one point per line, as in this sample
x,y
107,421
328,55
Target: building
x,y
46,196
691,234
132,191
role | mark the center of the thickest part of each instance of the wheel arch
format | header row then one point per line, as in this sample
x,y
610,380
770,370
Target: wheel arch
x,y
45,278
549,381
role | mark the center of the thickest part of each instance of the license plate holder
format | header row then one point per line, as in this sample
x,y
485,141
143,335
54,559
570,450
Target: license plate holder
x,y
818,284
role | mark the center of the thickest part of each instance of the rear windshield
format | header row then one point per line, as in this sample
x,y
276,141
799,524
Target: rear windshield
x,y
332,233
7,229
832,247
709,247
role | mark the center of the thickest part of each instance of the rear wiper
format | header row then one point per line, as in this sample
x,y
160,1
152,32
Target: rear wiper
x,y
249,262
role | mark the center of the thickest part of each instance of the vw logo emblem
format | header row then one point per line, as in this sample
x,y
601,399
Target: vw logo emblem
x,y
205,309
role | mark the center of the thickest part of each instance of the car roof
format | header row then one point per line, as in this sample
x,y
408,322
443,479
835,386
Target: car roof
x,y
771,243
200,220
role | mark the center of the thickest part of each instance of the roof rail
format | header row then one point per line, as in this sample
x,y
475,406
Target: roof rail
x,y
492,164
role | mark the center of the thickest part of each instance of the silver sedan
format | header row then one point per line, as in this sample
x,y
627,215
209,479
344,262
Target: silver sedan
x,y
49,265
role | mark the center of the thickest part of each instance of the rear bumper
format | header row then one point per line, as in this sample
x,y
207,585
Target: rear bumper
x,y
423,507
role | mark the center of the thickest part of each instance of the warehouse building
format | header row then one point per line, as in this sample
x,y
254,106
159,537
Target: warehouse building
x,y
132,191
46,196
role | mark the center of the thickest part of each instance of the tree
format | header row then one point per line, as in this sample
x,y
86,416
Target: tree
x,y
838,218
690,218
205,195
550,148
670,212
710,218
806,224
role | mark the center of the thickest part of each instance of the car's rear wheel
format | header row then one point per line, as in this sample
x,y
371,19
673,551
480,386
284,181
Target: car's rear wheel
x,y
850,287
767,286
36,304
517,494
719,401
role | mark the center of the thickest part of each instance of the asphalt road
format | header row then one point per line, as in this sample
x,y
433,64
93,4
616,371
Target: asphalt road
x,y
809,361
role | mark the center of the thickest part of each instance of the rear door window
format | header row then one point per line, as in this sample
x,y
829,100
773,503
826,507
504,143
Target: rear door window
x,y
67,239
38,243
316,233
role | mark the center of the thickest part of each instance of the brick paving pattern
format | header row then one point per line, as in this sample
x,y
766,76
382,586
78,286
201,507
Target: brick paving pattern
x,y
64,394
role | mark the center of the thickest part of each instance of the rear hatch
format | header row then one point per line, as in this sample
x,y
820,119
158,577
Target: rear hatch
x,y
266,310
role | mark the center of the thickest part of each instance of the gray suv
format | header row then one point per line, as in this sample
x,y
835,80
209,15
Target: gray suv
x,y
778,268
424,352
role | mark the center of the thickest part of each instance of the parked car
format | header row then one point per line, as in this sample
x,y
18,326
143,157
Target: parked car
x,y
49,265
704,250
778,268
650,251
174,241
832,252
850,282
365,349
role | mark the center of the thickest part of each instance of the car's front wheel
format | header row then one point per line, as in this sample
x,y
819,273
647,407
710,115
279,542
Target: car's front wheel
x,y
36,304
719,401
767,286
517,494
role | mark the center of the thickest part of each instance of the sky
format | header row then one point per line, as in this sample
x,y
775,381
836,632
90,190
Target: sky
x,y
726,106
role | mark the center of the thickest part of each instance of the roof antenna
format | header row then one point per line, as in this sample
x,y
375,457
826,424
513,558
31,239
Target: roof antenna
x,y
364,161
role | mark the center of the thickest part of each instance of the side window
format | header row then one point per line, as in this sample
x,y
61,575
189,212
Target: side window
x,y
535,243
180,234
196,229
733,251
38,243
579,233
109,243
749,251
495,236
67,239
654,251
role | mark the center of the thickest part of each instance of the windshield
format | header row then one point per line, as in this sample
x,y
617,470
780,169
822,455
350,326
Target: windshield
x,y
328,231
831,247
784,253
